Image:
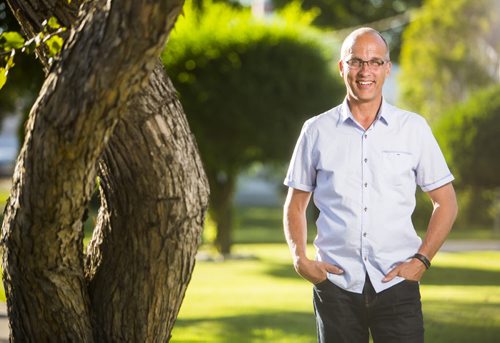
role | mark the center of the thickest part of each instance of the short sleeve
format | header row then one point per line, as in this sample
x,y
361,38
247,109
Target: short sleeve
x,y
301,173
432,171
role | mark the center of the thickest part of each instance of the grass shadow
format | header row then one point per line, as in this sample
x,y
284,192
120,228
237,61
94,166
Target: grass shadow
x,y
291,326
282,271
461,277
455,322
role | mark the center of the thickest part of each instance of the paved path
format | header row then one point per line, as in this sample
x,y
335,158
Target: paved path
x,y
4,323
470,245
449,246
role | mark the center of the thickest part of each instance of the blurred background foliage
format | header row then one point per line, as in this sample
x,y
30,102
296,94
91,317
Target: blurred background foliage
x,y
450,50
339,14
387,16
469,134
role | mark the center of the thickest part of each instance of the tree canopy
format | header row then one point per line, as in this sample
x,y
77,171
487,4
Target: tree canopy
x,y
247,85
342,14
346,14
449,50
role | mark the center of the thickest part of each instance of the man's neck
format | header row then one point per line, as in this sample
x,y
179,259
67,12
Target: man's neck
x,y
364,112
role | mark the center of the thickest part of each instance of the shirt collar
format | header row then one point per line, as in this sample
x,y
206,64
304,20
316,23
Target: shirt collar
x,y
384,114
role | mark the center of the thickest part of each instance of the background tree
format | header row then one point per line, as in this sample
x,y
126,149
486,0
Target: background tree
x,y
342,14
469,134
390,17
247,86
106,106
450,50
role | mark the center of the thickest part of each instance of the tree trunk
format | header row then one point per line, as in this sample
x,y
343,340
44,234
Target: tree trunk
x,y
496,213
152,208
222,193
143,250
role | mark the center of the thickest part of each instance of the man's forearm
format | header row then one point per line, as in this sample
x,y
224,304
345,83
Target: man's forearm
x,y
295,229
441,221
295,223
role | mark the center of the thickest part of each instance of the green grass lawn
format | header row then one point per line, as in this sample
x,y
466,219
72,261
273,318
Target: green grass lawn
x,y
259,298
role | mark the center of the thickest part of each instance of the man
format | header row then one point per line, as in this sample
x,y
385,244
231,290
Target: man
x,y
361,161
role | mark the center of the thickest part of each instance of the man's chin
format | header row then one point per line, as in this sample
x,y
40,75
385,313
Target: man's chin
x,y
366,98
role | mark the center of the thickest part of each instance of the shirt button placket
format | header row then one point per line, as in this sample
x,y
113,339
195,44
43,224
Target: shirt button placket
x,y
365,196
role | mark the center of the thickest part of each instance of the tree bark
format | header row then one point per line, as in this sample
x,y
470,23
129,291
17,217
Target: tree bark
x,y
82,101
143,250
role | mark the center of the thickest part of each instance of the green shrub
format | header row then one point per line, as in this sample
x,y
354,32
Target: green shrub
x,y
246,84
469,134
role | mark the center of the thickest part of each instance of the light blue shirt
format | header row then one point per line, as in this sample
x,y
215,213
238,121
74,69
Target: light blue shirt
x,y
364,183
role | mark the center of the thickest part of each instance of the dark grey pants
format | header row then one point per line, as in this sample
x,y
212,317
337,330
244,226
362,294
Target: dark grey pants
x,y
391,316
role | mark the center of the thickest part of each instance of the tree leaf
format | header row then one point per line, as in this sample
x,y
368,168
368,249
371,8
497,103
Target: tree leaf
x,y
3,77
11,40
54,44
53,23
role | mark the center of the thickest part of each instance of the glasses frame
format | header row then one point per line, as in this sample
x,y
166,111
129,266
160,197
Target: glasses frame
x,y
373,64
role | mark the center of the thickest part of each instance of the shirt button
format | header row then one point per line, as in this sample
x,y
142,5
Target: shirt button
x,y
366,209
366,160
366,136
364,234
366,258
366,184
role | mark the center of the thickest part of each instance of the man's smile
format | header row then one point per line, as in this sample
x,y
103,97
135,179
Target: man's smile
x,y
365,84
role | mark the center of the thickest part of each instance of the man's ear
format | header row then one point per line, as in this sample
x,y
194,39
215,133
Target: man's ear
x,y
389,68
341,68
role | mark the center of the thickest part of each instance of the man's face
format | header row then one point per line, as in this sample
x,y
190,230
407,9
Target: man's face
x,y
364,83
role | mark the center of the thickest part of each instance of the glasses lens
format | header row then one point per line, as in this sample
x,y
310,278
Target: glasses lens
x,y
375,63
356,63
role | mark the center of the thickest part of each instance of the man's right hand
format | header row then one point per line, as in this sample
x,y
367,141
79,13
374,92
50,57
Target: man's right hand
x,y
314,271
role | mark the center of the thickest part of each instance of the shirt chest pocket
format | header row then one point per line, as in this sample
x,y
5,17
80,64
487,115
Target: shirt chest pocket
x,y
398,167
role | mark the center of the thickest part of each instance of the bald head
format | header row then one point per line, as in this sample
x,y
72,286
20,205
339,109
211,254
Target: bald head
x,y
350,40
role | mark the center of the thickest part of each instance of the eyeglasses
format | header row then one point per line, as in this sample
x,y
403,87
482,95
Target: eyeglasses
x,y
357,63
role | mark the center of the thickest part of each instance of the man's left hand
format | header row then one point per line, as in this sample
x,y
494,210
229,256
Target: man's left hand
x,y
412,270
